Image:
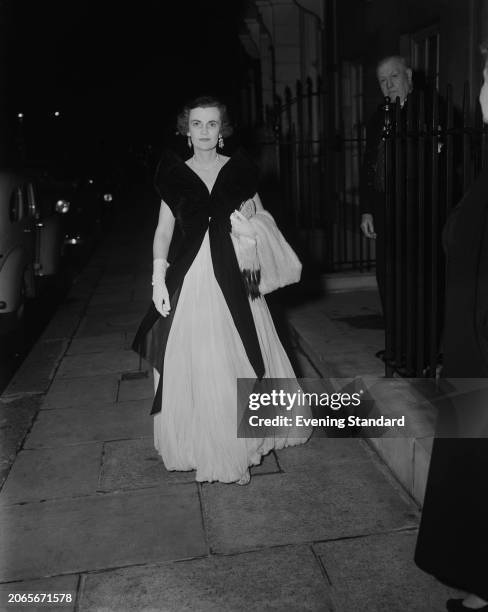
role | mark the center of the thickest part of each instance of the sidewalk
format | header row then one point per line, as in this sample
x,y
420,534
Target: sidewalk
x,y
88,508
340,332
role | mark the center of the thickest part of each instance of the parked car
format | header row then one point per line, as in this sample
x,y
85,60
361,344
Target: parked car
x,y
30,241
17,244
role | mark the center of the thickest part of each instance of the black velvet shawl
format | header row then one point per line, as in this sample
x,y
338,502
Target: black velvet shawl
x,y
192,205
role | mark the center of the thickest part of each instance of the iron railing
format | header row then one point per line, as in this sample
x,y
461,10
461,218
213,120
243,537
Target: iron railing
x,y
318,173
432,154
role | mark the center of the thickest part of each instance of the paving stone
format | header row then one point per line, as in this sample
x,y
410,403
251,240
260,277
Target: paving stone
x,y
129,464
103,531
397,453
341,500
336,350
129,339
108,362
16,418
58,584
81,392
134,464
378,573
116,278
107,342
143,293
138,388
48,473
123,420
36,372
120,289
95,325
268,465
319,452
285,579
121,308
107,296
61,326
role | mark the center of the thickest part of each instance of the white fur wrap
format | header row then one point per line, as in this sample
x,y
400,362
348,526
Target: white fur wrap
x,y
271,254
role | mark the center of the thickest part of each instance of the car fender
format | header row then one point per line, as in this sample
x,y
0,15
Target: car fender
x,y
12,267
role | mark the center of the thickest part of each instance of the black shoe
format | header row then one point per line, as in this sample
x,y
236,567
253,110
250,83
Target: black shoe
x,y
456,605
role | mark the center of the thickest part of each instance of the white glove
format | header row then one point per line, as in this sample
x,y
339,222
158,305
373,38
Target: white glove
x,y
160,295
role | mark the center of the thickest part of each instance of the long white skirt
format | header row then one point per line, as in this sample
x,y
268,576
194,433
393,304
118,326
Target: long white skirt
x,y
197,426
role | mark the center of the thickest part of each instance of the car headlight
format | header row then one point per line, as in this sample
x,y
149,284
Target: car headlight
x,y
62,206
72,239
107,197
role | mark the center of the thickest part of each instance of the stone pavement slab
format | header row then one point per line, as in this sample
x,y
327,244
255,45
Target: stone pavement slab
x,y
58,584
68,471
98,532
268,465
124,308
133,464
329,335
106,296
282,579
36,372
143,292
378,573
108,342
340,334
341,500
111,278
95,325
123,420
108,362
320,451
82,392
136,389
129,464
62,326
16,417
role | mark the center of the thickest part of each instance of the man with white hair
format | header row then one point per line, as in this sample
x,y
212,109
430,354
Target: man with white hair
x,y
395,81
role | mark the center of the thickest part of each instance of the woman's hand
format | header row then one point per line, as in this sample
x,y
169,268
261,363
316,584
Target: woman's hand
x,y
248,208
160,297
241,226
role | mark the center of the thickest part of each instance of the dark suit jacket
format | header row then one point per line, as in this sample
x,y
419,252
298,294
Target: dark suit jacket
x,y
372,175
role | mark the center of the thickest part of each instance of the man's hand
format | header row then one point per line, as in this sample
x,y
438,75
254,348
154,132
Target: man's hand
x,y
367,225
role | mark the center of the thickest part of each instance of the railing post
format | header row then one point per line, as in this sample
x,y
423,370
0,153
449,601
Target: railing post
x,y
399,233
411,232
388,212
434,243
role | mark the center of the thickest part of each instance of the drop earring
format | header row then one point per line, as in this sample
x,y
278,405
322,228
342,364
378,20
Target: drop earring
x,y
189,142
221,142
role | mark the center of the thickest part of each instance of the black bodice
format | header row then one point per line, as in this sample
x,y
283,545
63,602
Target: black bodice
x,y
196,210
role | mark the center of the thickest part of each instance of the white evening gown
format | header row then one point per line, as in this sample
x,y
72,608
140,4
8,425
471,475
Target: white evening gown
x,y
196,428
197,425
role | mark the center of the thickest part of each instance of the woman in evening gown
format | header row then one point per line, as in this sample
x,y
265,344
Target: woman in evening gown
x,y
203,330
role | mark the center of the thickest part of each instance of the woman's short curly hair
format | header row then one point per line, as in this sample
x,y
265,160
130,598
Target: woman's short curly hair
x,y
204,102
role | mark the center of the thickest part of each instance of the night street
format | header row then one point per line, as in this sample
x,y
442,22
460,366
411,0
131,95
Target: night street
x,y
243,305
